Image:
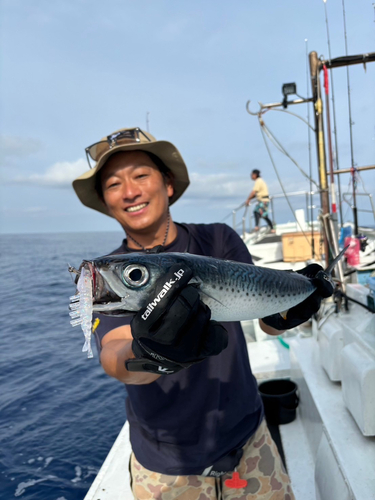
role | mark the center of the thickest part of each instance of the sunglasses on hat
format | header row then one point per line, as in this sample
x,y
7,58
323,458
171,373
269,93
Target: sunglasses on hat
x,y
128,136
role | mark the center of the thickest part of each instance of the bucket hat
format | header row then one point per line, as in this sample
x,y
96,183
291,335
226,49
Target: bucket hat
x,y
129,139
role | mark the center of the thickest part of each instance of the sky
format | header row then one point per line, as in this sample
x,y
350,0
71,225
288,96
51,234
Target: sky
x,y
73,71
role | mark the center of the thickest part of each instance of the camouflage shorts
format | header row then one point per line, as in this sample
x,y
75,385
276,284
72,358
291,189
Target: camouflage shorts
x,y
260,465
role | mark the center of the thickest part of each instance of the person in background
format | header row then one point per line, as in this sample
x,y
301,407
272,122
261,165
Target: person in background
x,y
260,192
193,406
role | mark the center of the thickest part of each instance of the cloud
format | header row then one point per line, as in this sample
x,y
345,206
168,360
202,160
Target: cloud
x,y
13,147
234,187
217,186
60,175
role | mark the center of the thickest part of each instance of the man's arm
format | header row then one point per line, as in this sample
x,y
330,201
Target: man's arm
x,y
116,349
250,197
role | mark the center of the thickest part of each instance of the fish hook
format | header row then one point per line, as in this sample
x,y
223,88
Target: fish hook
x,y
75,271
256,113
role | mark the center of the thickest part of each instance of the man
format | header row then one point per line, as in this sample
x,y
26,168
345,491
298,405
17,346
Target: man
x,y
260,192
192,426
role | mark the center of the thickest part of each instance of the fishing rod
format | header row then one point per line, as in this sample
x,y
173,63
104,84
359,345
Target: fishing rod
x,y
334,115
355,216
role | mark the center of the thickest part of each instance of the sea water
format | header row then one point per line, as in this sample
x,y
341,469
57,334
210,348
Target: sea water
x,y
59,412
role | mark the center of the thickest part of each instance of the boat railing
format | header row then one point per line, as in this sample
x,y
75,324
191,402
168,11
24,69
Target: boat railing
x,y
245,224
348,198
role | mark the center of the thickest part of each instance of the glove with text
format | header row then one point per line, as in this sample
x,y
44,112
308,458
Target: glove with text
x,y
174,330
302,312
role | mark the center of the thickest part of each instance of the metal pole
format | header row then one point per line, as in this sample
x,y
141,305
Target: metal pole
x,y
273,212
332,179
310,162
319,132
348,170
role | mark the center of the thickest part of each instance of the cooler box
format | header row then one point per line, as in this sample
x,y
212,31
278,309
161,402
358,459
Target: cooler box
x,y
297,246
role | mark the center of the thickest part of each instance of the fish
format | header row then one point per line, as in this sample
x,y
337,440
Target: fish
x,y
123,284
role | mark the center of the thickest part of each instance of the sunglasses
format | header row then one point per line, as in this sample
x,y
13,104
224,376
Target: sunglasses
x,y
129,136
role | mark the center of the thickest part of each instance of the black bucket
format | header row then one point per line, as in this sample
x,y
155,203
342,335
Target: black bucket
x,y
280,400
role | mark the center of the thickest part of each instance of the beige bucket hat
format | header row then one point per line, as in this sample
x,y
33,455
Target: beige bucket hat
x,y
129,139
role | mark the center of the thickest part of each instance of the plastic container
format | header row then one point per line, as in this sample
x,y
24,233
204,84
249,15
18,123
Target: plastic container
x,y
345,232
280,400
352,253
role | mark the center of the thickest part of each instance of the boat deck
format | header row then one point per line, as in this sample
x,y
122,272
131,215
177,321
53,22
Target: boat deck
x,y
328,421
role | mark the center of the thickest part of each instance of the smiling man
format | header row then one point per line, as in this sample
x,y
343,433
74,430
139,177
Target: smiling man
x,y
193,405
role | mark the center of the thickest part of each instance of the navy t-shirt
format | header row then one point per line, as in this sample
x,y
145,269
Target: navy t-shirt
x,y
183,423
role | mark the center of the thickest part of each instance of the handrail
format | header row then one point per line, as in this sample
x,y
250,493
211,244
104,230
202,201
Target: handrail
x,y
241,226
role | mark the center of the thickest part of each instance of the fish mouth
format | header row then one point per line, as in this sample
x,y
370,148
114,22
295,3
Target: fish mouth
x,y
101,291
136,208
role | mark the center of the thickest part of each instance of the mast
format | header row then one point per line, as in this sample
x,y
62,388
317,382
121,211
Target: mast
x,y
310,162
319,132
332,179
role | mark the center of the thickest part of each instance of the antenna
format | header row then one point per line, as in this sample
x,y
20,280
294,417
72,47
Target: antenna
x,y
147,121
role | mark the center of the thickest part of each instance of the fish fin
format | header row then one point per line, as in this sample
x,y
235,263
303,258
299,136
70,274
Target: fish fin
x,y
335,261
283,314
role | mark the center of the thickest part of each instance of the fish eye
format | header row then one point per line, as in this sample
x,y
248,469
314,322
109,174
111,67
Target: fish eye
x,y
135,275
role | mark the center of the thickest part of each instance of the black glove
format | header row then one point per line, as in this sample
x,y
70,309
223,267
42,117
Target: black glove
x,y
302,312
174,330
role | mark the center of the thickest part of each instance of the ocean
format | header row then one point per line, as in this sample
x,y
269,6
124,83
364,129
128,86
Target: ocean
x,y
59,412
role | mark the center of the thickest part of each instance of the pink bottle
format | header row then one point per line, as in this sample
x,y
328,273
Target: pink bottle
x,y
352,253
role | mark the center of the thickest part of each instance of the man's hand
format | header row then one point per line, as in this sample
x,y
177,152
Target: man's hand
x,y
174,330
302,312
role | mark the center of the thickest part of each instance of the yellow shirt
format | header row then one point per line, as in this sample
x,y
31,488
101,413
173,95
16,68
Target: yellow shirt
x,y
261,190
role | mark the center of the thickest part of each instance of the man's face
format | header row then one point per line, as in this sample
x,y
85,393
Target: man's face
x,y
135,192
253,176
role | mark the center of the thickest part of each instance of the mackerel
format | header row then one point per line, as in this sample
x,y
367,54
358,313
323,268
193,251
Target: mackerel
x,y
123,284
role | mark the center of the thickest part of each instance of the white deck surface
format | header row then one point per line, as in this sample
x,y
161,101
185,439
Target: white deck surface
x,y
354,453
270,359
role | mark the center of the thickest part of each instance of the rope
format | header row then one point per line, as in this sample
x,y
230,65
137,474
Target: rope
x,y
283,150
281,184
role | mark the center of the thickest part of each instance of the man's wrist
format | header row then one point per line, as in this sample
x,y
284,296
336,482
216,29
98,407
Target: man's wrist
x,y
147,360
270,330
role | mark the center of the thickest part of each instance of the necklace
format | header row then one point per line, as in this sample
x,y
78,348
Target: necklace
x,y
149,249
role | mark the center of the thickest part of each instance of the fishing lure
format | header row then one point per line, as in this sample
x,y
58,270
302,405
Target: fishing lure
x,y
82,308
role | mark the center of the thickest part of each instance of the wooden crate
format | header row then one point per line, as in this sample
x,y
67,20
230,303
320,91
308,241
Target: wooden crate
x,y
296,247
